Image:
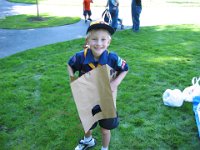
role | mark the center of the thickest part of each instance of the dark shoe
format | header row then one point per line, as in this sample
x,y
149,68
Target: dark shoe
x,y
89,19
122,27
136,31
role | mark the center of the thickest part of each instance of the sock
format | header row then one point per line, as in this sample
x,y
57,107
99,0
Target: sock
x,y
87,139
104,148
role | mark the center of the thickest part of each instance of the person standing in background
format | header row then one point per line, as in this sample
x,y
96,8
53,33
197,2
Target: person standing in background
x,y
114,11
86,9
136,8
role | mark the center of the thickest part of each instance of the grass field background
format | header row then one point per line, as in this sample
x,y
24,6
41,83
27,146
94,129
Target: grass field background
x,y
37,110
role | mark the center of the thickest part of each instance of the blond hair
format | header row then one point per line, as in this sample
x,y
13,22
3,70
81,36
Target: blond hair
x,y
91,32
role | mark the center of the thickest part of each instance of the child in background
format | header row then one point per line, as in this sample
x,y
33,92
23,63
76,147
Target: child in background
x,y
98,40
86,9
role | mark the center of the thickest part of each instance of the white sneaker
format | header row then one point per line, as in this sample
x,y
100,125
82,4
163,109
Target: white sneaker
x,y
83,145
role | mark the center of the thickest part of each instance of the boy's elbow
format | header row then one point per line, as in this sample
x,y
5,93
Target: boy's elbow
x,y
126,72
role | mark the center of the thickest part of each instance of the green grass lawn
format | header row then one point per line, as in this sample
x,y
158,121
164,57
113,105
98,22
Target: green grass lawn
x,y
25,1
37,110
26,21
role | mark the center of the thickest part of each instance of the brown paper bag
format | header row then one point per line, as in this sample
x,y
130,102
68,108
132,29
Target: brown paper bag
x,y
93,96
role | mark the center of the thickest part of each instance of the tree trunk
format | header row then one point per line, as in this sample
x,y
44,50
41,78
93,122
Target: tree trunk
x,y
37,8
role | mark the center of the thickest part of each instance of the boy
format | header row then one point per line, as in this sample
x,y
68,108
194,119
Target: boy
x,y
87,10
98,40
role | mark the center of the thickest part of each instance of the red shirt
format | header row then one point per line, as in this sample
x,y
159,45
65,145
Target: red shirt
x,y
86,4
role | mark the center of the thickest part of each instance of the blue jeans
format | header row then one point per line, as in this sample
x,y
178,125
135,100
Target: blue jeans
x,y
114,14
136,10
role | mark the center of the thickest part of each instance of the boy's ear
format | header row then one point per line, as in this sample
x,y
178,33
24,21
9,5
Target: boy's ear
x,y
109,41
86,40
86,44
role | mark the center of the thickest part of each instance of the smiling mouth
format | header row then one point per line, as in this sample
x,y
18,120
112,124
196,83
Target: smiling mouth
x,y
98,48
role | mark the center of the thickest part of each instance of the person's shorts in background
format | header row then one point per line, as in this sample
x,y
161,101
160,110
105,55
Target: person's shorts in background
x,y
87,12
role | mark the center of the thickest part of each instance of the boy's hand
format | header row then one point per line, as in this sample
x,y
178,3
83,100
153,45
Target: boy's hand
x,y
113,85
72,78
116,82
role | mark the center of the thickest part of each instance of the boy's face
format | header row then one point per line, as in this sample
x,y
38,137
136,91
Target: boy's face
x,y
99,40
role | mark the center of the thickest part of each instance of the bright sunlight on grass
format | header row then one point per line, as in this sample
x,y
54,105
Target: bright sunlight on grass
x,y
24,1
38,112
31,21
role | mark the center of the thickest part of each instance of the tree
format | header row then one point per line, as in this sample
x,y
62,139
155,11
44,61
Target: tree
x,y
37,9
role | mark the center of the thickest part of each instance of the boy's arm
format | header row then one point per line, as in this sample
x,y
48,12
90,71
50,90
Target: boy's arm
x,y
116,82
71,73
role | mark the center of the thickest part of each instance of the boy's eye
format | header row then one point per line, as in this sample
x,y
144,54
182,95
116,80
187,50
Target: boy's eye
x,y
95,39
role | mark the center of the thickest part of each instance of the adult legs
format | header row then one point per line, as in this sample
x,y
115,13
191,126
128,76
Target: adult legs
x,y
114,15
136,10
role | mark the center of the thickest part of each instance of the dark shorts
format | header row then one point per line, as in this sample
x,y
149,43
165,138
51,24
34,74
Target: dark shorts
x,y
87,12
108,124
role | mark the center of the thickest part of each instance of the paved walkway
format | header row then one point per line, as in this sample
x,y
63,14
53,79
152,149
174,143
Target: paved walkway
x,y
14,41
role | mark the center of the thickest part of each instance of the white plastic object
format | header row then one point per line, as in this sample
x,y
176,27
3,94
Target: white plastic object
x,y
190,92
173,98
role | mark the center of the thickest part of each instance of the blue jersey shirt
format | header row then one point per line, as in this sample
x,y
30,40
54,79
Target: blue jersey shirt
x,y
80,63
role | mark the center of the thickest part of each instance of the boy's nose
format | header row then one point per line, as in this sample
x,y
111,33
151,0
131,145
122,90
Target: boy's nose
x,y
99,42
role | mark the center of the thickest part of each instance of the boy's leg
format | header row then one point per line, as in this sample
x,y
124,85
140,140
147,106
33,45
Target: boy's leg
x,y
85,14
105,138
107,125
85,18
87,142
88,136
89,15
